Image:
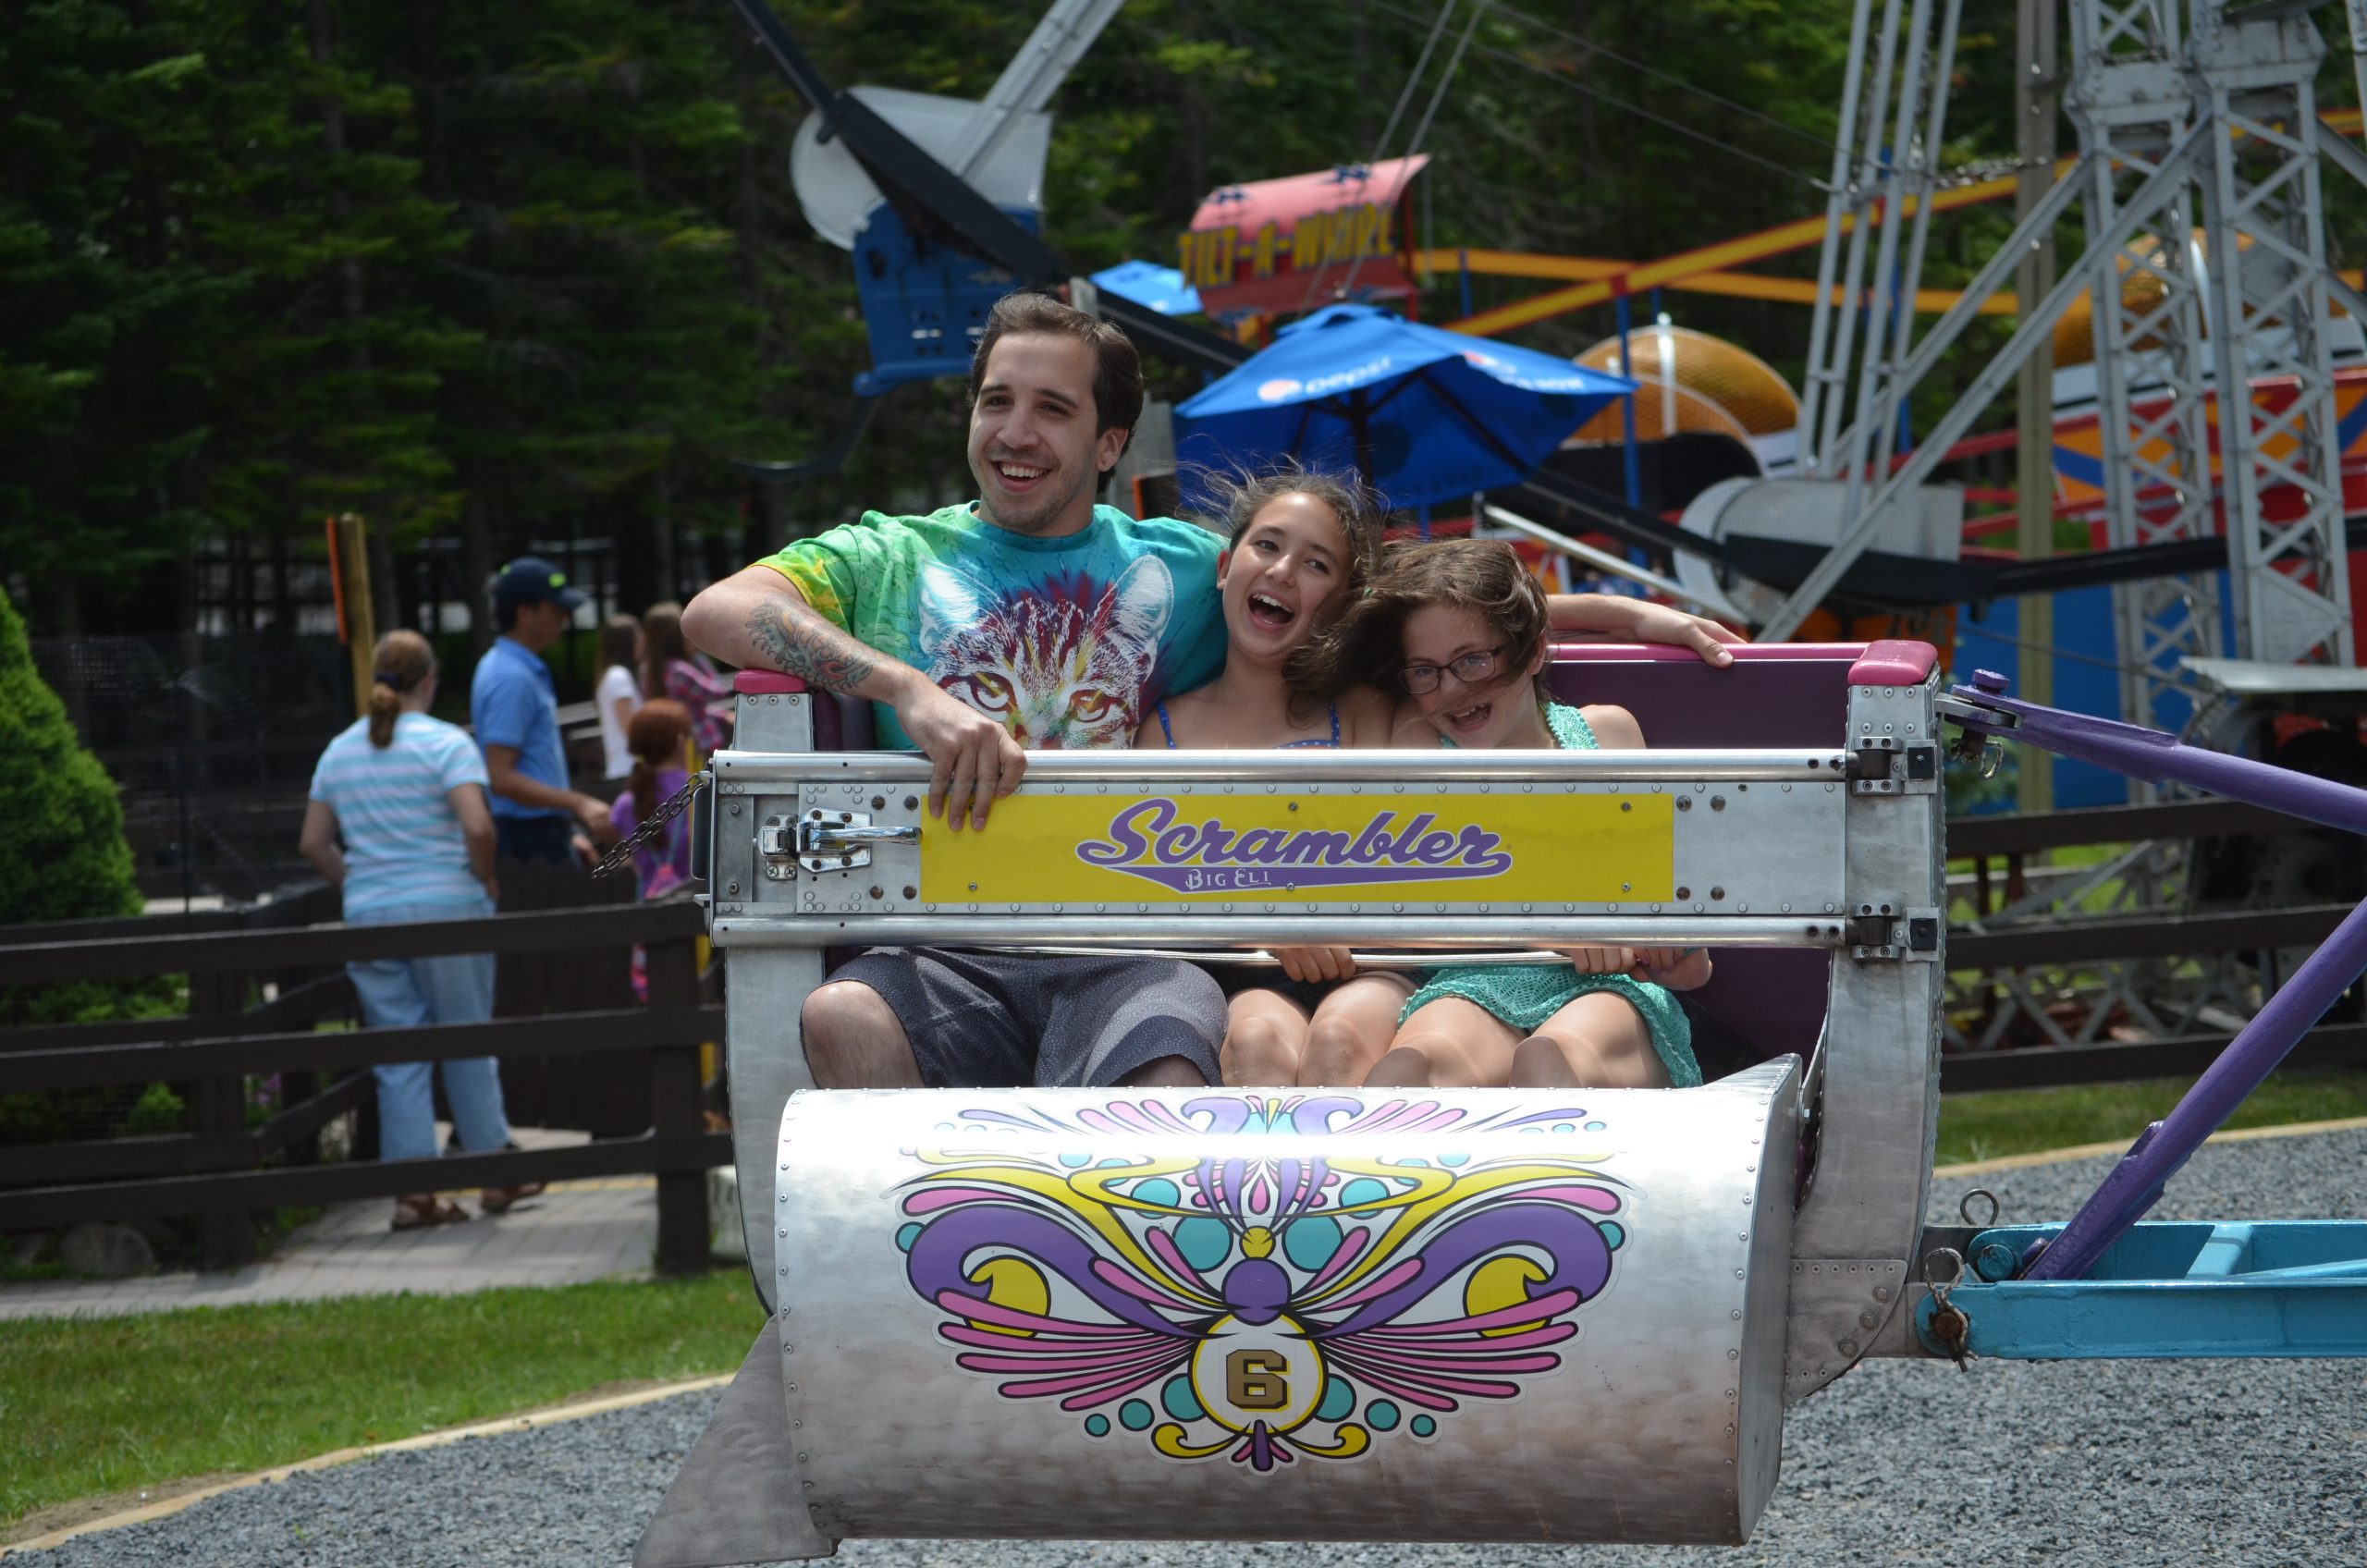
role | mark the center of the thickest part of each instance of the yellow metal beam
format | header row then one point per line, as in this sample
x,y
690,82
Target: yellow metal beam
x,y
1736,285
1688,267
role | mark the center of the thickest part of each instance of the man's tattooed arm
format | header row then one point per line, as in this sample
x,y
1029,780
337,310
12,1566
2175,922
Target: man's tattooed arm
x,y
791,638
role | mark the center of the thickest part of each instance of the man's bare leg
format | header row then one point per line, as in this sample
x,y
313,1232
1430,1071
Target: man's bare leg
x,y
852,1040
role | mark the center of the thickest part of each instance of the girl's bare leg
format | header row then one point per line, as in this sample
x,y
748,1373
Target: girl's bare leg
x,y
1265,1037
1351,1029
1448,1044
1597,1042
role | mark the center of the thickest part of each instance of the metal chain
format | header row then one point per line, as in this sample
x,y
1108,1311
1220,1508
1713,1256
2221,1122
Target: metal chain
x,y
652,826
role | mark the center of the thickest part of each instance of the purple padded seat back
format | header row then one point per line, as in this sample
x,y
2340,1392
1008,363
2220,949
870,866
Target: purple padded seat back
x,y
1760,1002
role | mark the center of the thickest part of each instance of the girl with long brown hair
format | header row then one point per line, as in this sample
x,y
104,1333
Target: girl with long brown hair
x,y
670,668
1303,543
1460,630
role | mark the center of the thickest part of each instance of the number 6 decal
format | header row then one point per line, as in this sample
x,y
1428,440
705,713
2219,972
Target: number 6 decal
x,y
1253,1379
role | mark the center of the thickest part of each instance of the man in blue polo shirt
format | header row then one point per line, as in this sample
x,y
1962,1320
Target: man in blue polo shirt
x,y
515,711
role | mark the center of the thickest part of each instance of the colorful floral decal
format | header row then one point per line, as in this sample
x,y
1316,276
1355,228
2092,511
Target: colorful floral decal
x,y
1260,1304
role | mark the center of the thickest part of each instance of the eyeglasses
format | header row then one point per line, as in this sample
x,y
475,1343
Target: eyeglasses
x,y
1471,669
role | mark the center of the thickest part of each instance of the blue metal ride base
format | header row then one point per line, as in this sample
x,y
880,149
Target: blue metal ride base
x,y
2279,1288
924,303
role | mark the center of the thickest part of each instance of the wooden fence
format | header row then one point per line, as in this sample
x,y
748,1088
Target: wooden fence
x,y
2010,839
224,1172
563,1007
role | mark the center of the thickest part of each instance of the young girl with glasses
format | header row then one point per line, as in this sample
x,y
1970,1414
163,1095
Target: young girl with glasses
x,y
1303,543
1463,627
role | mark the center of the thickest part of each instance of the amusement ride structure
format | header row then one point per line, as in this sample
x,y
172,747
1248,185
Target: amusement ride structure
x,y
1501,1315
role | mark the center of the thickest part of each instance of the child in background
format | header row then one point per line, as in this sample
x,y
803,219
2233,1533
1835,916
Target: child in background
x,y
617,695
670,669
663,864
1463,626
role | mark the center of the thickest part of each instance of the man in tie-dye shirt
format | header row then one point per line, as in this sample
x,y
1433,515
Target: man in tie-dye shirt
x,y
1029,618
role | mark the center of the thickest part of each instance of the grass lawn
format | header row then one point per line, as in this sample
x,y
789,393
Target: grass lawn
x,y
108,1405
2030,1121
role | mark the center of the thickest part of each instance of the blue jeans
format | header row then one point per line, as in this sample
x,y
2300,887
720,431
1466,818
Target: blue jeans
x,y
403,993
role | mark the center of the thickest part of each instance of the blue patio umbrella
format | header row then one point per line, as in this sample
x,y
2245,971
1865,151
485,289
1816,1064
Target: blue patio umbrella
x,y
1422,413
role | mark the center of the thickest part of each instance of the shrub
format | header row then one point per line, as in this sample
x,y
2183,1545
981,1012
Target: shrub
x,y
62,852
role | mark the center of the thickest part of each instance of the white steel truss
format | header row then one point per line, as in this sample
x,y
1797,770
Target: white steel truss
x,y
2227,109
2266,245
2132,102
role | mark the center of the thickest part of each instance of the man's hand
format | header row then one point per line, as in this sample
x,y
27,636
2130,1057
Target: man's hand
x,y
1316,966
583,849
973,760
592,813
1639,621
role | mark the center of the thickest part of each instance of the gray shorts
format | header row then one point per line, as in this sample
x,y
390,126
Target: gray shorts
x,y
980,1018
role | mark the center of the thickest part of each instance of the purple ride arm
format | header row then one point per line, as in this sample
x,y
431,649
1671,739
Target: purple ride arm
x,y
2161,1150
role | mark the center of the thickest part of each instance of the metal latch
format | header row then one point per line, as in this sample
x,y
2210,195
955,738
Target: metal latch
x,y
1874,767
825,840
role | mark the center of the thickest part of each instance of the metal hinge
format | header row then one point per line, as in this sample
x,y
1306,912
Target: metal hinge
x,y
1886,765
1895,930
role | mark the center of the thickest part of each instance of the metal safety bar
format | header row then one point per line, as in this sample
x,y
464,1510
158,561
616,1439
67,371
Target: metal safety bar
x,y
1405,770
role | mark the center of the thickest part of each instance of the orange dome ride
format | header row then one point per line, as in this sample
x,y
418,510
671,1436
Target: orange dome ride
x,y
2142,291
1691,381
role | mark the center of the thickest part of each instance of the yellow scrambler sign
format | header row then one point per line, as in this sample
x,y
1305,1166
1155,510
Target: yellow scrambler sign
x,y
1443,848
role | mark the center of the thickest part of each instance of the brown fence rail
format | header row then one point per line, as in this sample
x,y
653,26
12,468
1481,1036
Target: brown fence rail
x,y
216,1171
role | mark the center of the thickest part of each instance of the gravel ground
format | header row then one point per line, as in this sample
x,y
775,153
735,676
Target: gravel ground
x,y
2109,1464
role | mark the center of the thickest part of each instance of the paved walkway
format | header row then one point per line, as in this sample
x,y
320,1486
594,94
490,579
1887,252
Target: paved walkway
x,y
577,1231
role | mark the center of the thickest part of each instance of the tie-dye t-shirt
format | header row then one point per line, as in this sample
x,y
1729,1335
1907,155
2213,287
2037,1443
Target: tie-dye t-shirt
x,y
1066,641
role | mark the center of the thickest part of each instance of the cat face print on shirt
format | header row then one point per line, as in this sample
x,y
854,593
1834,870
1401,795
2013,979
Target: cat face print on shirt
x,y
1061,662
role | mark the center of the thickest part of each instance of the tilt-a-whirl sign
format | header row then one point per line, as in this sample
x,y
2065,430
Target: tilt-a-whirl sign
x,y
1439,847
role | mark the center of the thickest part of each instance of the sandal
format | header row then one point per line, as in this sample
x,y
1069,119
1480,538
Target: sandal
x,y
497,1200
419,1209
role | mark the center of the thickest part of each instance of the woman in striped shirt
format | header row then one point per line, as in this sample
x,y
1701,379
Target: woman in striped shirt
x,y
399,820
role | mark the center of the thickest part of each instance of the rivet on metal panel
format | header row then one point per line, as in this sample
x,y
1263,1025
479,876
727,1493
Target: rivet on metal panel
x,y
1848,1347
1736,1314
1881,1292
1738,1273
911,800
1733,1355
1624,805
1684,803
912,892
1684,893
1717,803
1870,1320
784,1197
732,888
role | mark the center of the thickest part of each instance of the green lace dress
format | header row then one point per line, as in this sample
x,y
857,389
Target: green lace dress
x,y
1525,996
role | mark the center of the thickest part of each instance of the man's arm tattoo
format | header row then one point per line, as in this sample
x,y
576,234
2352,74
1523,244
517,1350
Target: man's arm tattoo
x,y
809,647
